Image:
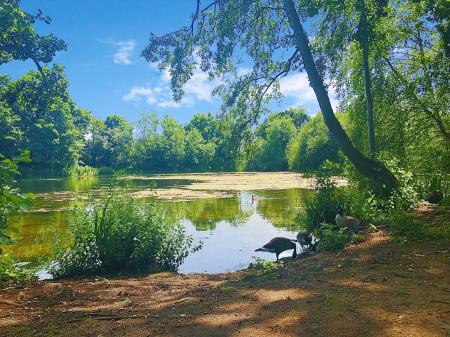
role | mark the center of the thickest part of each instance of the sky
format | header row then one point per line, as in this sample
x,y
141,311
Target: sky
x,y
105,69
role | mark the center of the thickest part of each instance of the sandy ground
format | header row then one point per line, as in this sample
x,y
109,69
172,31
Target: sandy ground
x,y
223,185
375,288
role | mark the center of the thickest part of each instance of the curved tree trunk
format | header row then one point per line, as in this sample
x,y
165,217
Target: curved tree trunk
x,y
382,178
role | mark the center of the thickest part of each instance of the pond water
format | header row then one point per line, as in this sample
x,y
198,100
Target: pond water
x,y
230,228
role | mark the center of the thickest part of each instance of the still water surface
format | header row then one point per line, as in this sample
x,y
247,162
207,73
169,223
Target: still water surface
x,y
230,228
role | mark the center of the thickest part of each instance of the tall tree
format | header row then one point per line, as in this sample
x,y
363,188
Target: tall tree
x,y
19,40
273,37
50,124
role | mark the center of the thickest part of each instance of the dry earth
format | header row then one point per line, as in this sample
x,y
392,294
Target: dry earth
x,y
375,288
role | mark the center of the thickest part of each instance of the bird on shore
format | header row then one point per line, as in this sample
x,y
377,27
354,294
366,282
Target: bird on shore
x,y
304,238
278,245
434,197
345,221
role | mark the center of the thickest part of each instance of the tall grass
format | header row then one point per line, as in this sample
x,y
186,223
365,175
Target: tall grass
x,y
81,172
119,235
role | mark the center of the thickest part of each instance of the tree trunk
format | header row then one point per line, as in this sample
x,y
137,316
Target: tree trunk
x,y
363,33
382,178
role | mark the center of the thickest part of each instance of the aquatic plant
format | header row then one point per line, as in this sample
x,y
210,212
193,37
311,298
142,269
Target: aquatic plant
x,y
118,234
81,171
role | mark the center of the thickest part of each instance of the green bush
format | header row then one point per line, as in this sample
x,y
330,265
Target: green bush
x,y
119,235
331,238
320,207
105,171
81,172
11,274
311,146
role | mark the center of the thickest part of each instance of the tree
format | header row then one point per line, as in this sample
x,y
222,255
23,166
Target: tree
x,y
19,40
267,31
312,146
109,143
198,153
42,118
206,124
272,138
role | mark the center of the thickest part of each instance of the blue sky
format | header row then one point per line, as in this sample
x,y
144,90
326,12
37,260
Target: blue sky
x,y
103,63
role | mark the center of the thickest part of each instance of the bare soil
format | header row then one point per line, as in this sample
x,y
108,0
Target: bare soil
x,y
374,288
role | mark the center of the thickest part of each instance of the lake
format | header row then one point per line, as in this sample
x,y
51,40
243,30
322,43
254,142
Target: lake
x,y
232,214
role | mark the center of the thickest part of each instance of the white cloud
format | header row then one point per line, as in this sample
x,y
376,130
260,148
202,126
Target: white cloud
x,y
297,86
197,89
137,93
123,54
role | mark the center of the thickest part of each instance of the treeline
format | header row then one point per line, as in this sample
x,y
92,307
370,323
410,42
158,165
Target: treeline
x,y
39,116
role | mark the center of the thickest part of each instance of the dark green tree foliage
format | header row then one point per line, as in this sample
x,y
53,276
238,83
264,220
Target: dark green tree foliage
x,y
160,147
109,143
206,143
269,145
312,146
18,38
40,116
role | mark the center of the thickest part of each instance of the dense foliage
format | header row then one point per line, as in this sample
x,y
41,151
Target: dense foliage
x,y
11,202
117,234
64,139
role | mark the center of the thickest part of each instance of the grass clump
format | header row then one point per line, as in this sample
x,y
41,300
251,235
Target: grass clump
x,y
118,235
78,172
262,270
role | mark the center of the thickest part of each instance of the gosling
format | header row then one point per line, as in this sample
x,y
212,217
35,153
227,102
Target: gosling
x,y
434,197
345,221
277,246
304,238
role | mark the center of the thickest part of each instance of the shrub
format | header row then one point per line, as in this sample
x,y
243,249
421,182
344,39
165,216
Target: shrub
x,y
320,207
11,274
311,146
81,172
12,201
331,238
105,171
119,235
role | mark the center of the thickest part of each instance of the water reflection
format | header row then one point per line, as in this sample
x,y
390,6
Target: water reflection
x,y
231,228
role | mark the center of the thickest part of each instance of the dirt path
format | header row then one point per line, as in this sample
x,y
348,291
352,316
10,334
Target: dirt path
x,y
376,288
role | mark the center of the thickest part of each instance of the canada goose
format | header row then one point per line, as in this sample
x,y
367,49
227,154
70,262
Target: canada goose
x,y
345,221
304,238
434,197
278,245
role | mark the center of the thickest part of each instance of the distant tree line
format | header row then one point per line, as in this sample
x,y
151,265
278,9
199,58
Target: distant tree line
x,y
40,116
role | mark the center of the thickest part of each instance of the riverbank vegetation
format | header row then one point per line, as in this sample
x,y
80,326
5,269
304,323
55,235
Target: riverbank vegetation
x,y
119,235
